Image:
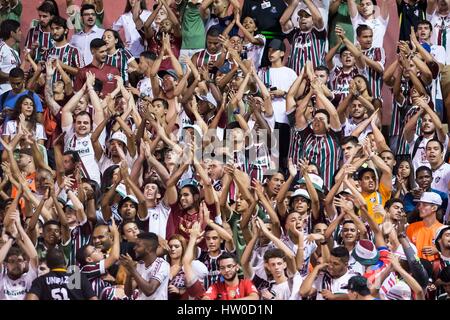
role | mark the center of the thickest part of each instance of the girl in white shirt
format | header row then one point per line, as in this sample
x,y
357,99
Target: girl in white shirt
x,y
25,113
133,39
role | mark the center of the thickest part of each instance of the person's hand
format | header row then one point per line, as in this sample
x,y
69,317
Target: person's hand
x,y
276,93
133,90
340,32
196,230
68,182
229,168
266,294
341,202
124,169
417,193
395,262
119,80
262,226
6,169
127,262
429,251
6,145
327,294
257,186
303,165
204,73
205,212
353,88
292,168
49,68
173,290
413,37
314,237
349,170
321,266
90,80
114,230
378,209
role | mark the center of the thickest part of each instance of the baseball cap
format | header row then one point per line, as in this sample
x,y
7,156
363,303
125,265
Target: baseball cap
x,y
431,197
119,136
189,182
316,180
365,252
277,44
301,193
438,235
305,9
208,98
170,72
195,127
400,291
358,284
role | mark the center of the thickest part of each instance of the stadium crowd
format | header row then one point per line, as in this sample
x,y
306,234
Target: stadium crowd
x,y
224,149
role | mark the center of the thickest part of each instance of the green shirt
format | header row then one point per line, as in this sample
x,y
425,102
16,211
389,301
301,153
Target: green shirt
x,y
341,18
12,13
192,27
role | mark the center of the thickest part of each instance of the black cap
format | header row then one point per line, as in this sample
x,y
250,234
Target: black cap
x,y
170,72
277,44
358,284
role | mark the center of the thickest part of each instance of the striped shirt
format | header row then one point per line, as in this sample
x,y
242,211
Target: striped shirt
x,y
204,57
94,273
323,150
44,40
340,82
307,46
397,109
9,59
375,78
67,54
79,237
120,59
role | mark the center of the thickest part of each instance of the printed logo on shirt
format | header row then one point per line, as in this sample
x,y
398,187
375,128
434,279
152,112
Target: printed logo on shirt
x,y
110,76
273,10
254,8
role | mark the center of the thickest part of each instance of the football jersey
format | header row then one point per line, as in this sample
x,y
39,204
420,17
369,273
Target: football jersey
x,y
58,284
159,270
15,289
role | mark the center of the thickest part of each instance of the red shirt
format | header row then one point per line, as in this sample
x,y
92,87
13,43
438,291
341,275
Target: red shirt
x,y
105,74
221,291
155,45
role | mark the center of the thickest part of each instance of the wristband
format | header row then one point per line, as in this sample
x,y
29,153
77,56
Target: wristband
x,y
236,111
323,243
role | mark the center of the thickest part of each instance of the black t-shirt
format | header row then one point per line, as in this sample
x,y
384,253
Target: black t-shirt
x,y
410,16
266,13
57,285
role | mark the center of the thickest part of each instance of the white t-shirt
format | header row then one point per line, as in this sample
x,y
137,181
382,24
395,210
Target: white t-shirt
x,y
85,150
157,219
282,79
420,158
436,21
106,162
11,130
350,126
439,54
325,281
378,25
159,270
441,178
15,289
82,41
9,59
133,40
255,52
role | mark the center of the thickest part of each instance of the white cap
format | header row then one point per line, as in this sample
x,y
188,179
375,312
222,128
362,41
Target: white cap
x,y
208,98
195,127
316,180
119,136
300,193
431,197
400,291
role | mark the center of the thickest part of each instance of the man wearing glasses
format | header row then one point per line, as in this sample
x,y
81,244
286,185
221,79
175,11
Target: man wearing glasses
x,y
232,287
82,39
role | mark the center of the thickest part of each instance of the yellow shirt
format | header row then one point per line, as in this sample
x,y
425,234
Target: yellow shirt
x,y
375,198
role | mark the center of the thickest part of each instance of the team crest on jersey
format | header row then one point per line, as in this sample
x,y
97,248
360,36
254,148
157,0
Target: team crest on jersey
x,y
273,10
110,76
437,179
373,200
85,143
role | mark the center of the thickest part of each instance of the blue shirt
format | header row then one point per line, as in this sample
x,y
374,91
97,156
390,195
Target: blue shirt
x,y
11,99
409,203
